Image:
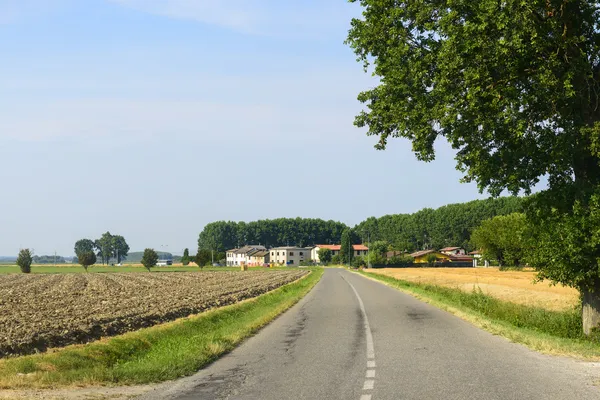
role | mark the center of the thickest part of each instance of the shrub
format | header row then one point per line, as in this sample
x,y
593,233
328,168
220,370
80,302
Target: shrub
x,y
431,259
149,259
358,262
86,259
24,261
336,260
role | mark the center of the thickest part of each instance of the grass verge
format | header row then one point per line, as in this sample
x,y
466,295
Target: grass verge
x,y
550,332
156,354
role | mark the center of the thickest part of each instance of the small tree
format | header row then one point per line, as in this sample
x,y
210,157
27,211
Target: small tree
x,y
202,258
336,260
325,256
346,250
149,259
503,238
185,260
431,259
86,259
24,261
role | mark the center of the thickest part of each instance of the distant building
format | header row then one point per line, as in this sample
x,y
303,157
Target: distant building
x,y
454,251
420,257
243,255
291,256
164,263
359,250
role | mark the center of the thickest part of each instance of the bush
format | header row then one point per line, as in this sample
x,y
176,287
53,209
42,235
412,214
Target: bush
x,y
86,259
431,259
401,261
358,262
149,259
24,261
336,260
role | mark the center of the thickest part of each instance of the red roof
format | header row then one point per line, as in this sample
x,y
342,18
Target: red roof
x,y
450,248
337,247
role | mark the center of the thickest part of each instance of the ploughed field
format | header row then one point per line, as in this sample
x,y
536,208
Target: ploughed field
x,y
38,312
513,286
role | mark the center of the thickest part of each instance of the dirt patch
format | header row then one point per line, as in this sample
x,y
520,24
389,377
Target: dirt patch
x,y
38,312
514,286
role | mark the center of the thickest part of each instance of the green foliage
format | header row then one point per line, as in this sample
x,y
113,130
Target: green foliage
x,y
358,262
513,87
450,225
224,235
111,246
431,260
83,246
336,260
401,261
149,259
203,258
325,256
24,261
346,251
185,260
503,238
86,259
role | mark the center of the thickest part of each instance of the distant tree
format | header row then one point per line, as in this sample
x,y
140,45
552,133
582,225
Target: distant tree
x,y
347,250
325,256
336,260
203,257
377,252
185,260
83,246
86,259
104,247
24,261
149,259
503,238
431,260
119,248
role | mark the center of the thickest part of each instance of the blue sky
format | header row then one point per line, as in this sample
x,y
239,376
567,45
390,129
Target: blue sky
x,y
152,118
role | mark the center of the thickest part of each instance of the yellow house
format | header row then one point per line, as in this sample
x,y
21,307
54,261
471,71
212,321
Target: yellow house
x,y
421,256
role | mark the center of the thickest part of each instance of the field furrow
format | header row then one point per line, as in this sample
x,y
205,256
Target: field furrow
x,y
38,312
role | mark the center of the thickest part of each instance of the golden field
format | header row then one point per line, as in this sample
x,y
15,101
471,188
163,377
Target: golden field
x,y
513,286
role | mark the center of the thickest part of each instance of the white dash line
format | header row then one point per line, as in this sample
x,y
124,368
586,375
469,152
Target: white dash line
x,y
370,364
365,397
370,373
369,384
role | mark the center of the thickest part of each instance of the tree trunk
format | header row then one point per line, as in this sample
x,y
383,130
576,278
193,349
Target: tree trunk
x,y
590,314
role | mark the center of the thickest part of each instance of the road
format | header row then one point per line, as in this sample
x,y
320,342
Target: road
x,y
353,338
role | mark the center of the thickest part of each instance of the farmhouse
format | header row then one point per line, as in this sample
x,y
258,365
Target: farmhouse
x,y
289,255
243,255
421,256
359,250
453,251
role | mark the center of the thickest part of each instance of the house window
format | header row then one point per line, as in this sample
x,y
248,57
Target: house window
x,y
291,261
277,253
291,253
272,253
358,252
301,253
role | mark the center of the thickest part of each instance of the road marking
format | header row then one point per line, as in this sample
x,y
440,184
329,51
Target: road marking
x,y
369,384
370,347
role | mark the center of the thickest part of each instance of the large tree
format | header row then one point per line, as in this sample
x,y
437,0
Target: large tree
x,y
503,238
514,87
83,246
120,248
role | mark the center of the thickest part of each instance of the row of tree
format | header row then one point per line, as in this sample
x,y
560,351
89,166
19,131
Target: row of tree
x,y
221,236
105,248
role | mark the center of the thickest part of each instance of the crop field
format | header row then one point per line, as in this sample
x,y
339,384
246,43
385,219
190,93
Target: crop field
x,y
513,286
44,311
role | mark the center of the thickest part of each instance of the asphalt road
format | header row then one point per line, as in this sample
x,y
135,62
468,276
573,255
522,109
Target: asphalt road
x,y
355,339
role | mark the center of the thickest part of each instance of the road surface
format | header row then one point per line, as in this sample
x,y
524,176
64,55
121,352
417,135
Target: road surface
x,y
352,338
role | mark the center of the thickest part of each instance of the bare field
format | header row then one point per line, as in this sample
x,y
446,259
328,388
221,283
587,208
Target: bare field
x,y
513,286
38,312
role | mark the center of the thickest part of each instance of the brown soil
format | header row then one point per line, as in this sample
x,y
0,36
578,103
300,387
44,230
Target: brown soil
x,y
514,286
38,312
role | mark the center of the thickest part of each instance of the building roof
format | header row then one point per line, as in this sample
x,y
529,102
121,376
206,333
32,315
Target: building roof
x,y
422,253
249,249
260,253
450,248
475,252
338,247
289,248
232,250
461,258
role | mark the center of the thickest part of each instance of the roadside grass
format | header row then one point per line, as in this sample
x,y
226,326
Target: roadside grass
x,y
550,332
156,354
75,268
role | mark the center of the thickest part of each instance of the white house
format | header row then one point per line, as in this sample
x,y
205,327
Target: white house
x,y
291,256
243,255
359,250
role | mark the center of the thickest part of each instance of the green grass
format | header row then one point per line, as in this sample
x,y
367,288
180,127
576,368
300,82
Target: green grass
x,y
553,332
160,353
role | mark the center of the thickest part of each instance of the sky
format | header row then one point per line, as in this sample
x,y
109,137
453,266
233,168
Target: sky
x,y
152,118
